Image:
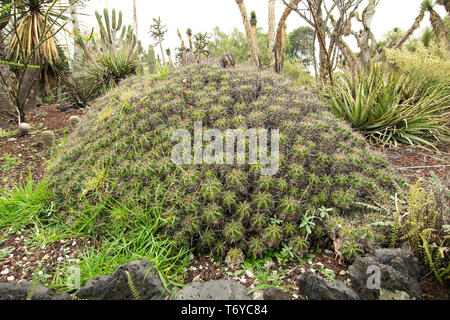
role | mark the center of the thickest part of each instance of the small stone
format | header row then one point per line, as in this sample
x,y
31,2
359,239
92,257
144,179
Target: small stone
x,y
319,265
4,272
197,278
12,140
343,273
249,274
11,278
258,295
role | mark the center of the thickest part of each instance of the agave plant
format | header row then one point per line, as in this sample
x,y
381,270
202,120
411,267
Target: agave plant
x,y
391,107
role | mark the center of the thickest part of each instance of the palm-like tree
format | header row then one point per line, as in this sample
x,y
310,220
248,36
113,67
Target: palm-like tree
x,y
158,32
445,3
272,34
414,27
189,34
31,29
437,24
135,22
248,31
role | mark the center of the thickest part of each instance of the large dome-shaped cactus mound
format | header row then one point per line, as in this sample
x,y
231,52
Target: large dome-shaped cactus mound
x,y
123,151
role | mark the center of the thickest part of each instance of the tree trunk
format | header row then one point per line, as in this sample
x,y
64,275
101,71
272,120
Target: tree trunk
x,y
272,34
77,51
6,107
162,51
439,29
367,35
348,54
392,40
181,40
28,90
248,30
135,22
279,52
411,30
255,41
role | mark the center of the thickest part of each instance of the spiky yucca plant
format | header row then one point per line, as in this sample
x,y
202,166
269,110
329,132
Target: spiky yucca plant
x,y
391,107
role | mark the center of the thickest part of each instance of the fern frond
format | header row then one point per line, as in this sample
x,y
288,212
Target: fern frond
x,y
132,287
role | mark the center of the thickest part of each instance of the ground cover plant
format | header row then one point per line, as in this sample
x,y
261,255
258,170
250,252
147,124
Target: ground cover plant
x,y
217,208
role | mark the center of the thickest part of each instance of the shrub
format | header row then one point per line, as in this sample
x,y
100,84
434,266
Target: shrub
x,y
391,107
422,220
105,70
432,63
126,154
297,72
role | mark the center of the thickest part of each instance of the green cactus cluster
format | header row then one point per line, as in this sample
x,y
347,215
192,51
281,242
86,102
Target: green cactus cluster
x,y
126,141
112,33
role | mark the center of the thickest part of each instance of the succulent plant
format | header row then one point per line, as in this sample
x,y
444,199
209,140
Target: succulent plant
x,y
234,259
48,139
219,208
23,129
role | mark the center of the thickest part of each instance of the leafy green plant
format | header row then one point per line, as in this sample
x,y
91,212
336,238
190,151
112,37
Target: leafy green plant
x,y
390,107
6,134
7,163
421,223
5,252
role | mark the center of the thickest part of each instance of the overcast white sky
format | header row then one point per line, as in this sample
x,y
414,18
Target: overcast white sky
x,y
204,15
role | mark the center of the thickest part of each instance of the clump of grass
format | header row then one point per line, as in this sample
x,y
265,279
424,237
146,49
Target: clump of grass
x,y
131,233
25,206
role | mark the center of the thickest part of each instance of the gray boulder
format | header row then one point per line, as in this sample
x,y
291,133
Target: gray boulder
x,y
399,271
22,290
228,290
314,287
144,278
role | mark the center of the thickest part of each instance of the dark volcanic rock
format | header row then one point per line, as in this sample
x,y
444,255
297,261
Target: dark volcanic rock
x,y
21,291
399,271
276,295
315,287
116,286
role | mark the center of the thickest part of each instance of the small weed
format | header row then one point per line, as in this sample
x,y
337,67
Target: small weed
x,y
5,252
7,163
6,134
